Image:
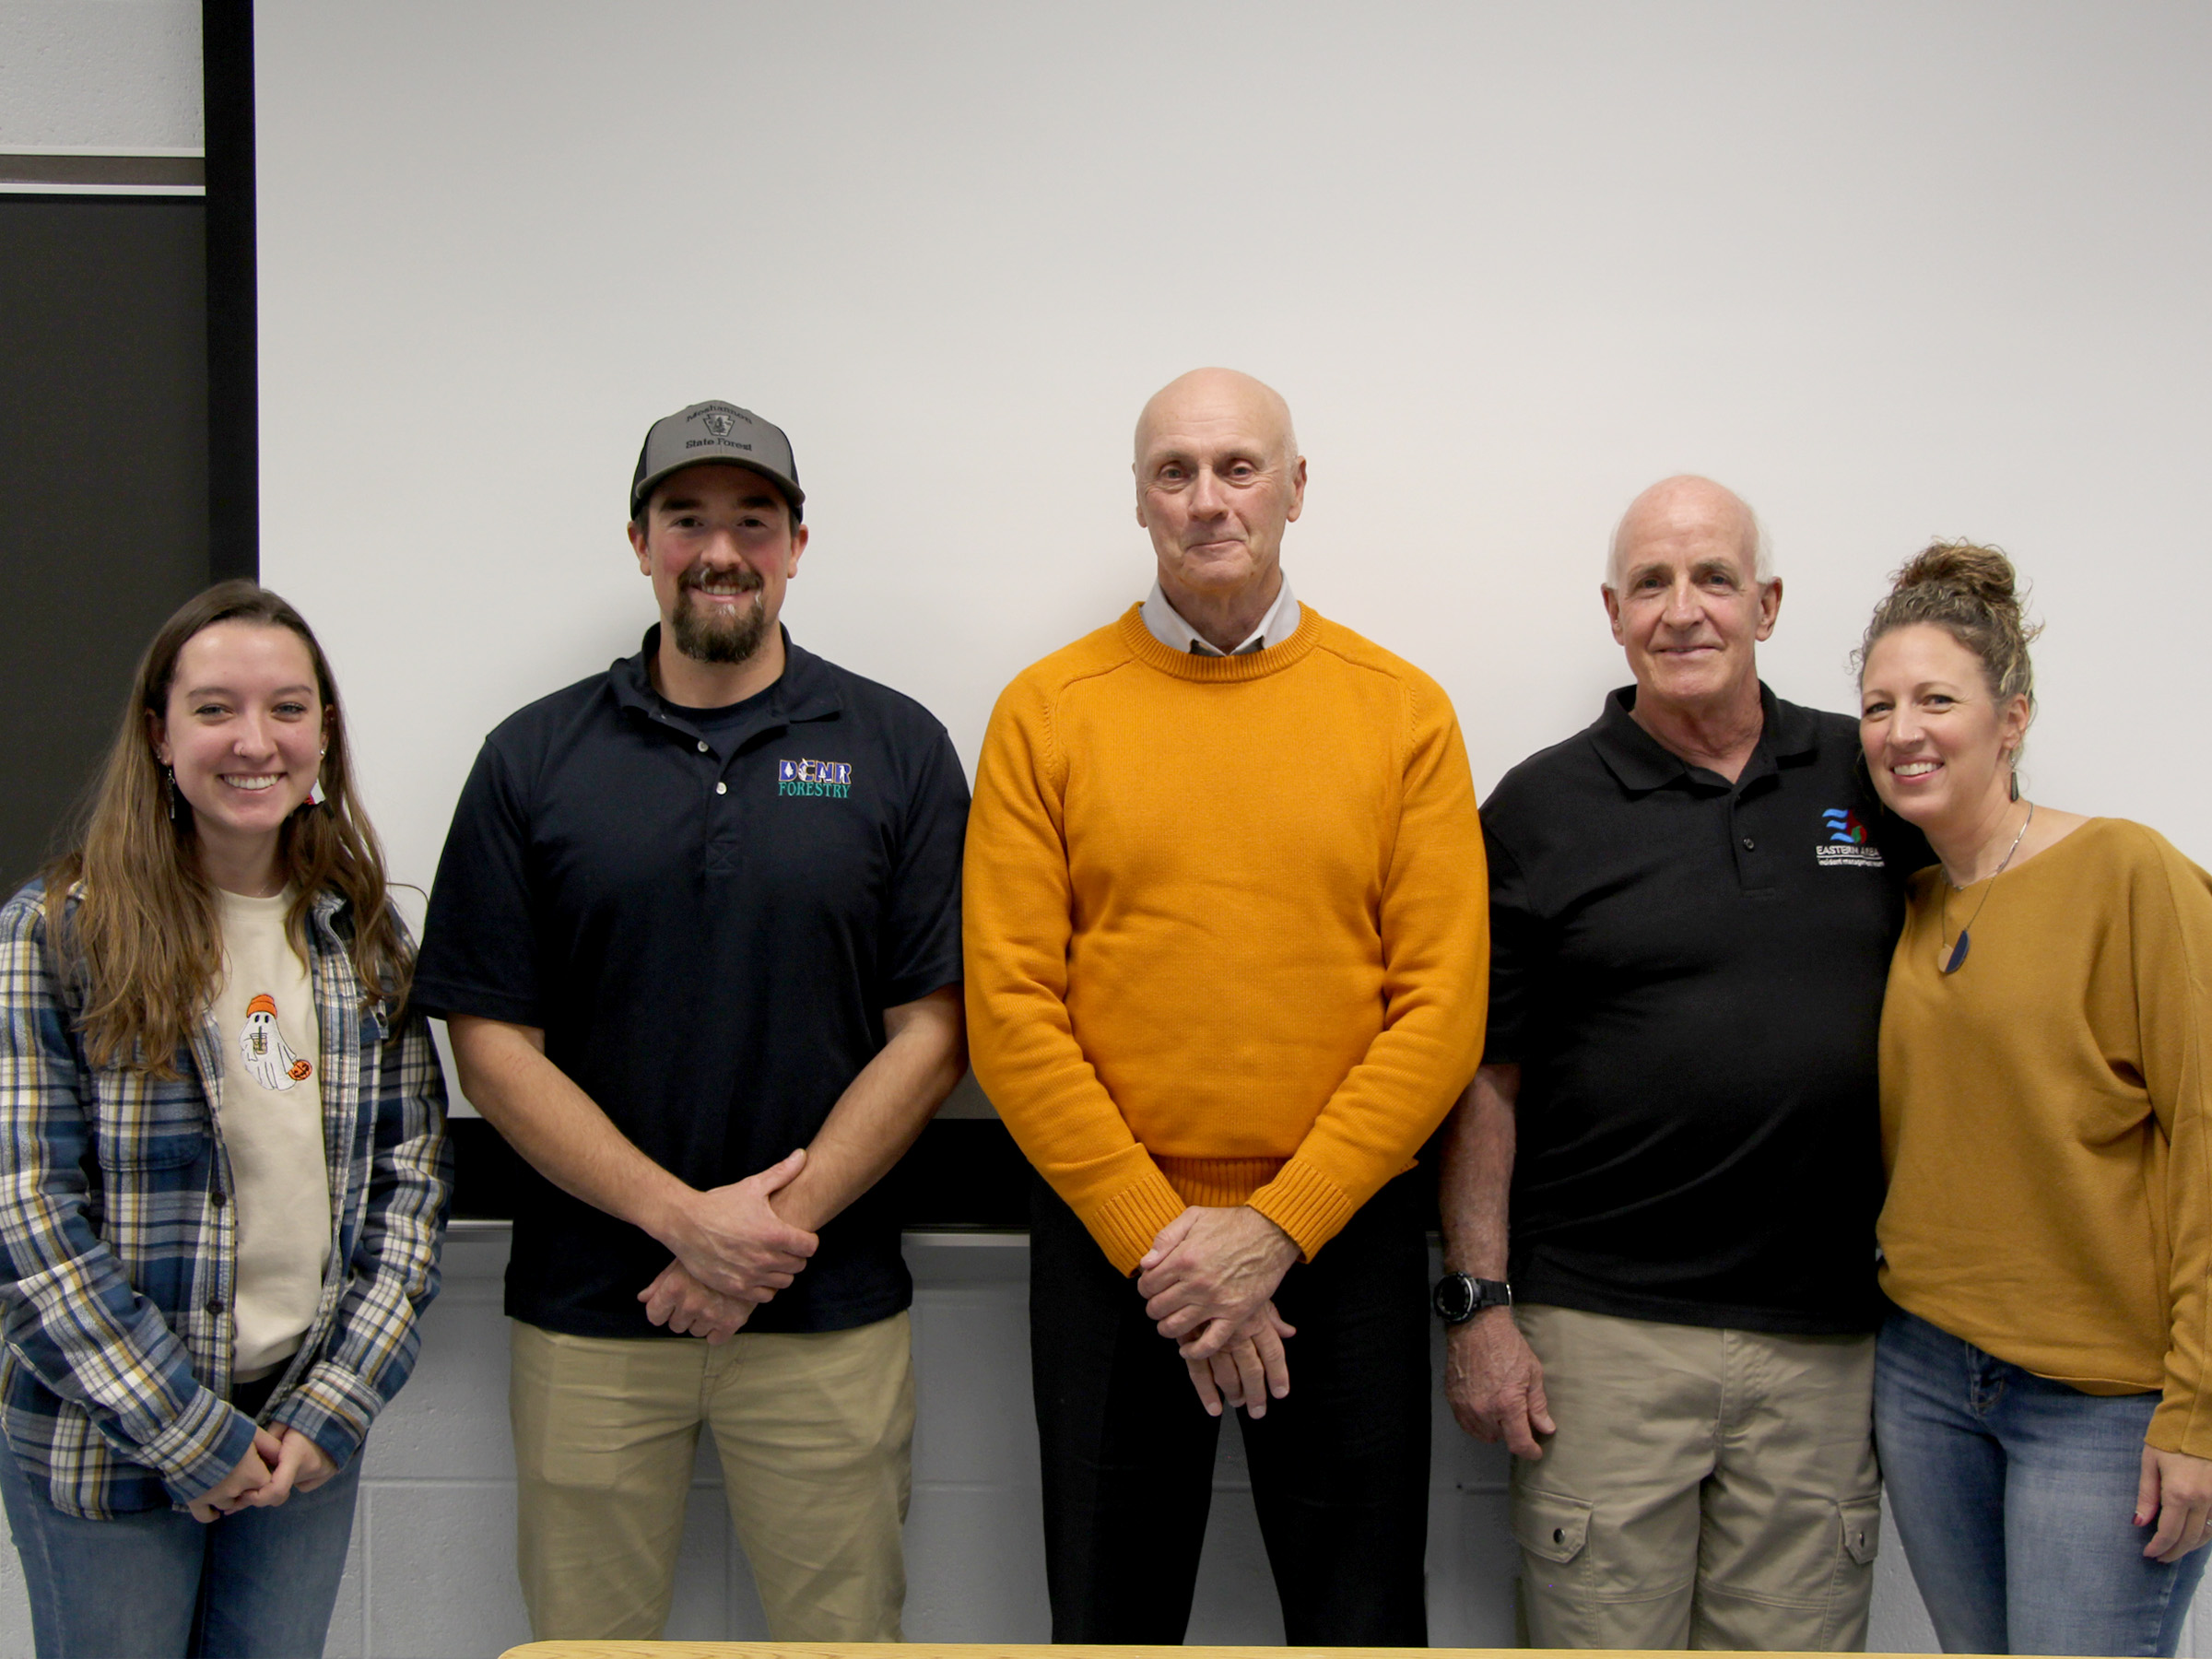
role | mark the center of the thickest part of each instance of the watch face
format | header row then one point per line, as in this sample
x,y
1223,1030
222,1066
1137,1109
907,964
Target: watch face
x,y
1456,1297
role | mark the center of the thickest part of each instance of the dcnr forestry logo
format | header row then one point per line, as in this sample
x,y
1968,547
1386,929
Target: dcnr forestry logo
x,y
831,778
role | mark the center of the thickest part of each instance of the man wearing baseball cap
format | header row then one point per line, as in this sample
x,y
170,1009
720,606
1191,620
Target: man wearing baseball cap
x,y
697,934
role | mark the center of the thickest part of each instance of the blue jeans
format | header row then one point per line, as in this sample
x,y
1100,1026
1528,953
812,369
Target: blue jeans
x,y
2015,1498
259,1584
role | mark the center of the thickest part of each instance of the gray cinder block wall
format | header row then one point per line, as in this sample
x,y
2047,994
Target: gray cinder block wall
x,y
432,1574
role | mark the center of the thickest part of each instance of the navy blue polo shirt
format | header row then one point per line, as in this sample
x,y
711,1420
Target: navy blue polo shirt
x,y
1690,974
707,912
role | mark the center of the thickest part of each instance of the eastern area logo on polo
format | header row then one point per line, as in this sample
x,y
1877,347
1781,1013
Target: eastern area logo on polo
x,y
1846,842
831,778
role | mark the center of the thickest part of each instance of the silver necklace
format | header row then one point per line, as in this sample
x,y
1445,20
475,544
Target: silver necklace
x,y
1956,959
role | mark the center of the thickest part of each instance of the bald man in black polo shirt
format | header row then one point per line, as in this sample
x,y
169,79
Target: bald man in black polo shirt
x,y
1692,905
697,931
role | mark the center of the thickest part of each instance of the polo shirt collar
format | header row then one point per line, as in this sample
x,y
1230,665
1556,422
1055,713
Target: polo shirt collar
x,y
805,690
1641,763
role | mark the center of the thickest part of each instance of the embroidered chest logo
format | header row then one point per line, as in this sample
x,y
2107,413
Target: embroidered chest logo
x,y
1846,842
831,778
267,1056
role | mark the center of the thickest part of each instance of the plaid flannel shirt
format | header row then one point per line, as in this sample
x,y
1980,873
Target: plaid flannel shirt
x,y
119,1241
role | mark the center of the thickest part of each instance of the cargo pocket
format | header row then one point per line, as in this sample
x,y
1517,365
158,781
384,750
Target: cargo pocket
x,y
1550,1526
1851,1591
1861,1528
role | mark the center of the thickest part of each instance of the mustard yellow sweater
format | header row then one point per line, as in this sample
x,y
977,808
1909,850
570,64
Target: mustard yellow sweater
x,y
2044,1120
1227,927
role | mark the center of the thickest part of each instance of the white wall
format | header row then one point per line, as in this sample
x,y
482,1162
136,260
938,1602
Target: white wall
x,y
1893,270
121,74
1890,269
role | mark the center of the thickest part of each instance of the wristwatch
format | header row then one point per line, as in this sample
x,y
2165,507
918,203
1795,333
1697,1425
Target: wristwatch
x,y
1459,1297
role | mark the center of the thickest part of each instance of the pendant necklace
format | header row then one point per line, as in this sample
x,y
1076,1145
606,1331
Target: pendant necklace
x,y
1956,959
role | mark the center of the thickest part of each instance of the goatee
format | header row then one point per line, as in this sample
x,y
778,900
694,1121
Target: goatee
x,y
706,637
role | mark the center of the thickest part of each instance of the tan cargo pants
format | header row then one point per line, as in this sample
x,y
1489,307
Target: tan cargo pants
x,y
1706,1488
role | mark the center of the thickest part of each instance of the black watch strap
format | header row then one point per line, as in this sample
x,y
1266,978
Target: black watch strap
x,y
1459,1297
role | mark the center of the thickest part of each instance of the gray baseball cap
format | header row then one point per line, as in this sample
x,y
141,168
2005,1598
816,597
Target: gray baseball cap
x,y
721,431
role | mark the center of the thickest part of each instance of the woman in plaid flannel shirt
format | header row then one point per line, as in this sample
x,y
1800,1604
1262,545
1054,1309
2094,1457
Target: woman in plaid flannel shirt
x,y
218,1216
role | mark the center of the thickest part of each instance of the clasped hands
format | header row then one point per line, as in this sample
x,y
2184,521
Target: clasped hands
x,y
733,1253
279,1463
1209,1283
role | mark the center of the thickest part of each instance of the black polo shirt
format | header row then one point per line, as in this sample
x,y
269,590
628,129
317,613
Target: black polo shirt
x,y
1690,974
707,912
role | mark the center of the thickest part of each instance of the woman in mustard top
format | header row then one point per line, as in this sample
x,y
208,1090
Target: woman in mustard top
x,y
2040,1400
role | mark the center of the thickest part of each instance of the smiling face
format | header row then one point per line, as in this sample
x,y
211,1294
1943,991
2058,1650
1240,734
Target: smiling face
x,y
1938,743
1219,478
720,546
244,733
1684,596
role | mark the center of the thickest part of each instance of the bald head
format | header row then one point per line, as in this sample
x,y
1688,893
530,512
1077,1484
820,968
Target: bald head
x,y
1684,507
1218,398
1218,477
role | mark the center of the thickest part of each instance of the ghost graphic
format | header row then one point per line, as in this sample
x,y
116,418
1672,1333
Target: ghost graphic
x,y
268,1058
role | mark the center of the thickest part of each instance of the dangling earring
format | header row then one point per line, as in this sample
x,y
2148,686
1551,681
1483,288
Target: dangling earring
x,y
316,798
2013,777
172,772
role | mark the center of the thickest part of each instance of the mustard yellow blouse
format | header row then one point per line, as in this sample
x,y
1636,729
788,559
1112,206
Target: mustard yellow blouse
x,y
2045,1119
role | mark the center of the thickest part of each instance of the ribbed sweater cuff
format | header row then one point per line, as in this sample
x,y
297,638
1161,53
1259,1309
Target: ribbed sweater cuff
x,y
1126,1223
1305,1204
1218,1183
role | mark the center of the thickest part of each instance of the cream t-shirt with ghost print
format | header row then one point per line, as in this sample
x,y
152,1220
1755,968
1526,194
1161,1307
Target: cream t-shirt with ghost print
x,y
272,1124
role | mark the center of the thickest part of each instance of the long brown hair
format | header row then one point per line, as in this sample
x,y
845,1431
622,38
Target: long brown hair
x,y
145,939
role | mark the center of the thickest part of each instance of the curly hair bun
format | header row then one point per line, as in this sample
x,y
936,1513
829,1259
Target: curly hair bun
x,y
1983,572
1971,593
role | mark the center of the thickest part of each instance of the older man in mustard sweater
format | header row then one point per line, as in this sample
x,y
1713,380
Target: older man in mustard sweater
x,y
1227,957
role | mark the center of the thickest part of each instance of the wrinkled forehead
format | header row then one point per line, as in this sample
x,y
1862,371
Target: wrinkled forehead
x,y
1215,417
1688,529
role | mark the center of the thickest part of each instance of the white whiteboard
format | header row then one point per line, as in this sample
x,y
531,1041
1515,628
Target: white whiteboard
x,y
1890,270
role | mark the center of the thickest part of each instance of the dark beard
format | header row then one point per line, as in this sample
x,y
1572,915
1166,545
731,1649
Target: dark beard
x,y
705,641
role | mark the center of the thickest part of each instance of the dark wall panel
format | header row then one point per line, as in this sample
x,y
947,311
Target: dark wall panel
x,y
233,351
104,479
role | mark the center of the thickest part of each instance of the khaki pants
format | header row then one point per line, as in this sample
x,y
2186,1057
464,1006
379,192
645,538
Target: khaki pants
x,y
814,1433
1706,1488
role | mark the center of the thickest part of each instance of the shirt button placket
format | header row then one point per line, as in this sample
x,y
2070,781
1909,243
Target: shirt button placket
x,y
1753,868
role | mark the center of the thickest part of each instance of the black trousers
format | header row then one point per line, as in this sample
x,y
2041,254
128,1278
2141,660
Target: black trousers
x,y
1339,1468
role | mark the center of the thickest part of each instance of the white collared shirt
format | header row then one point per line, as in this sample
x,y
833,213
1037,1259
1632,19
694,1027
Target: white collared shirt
x,y
1168,626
